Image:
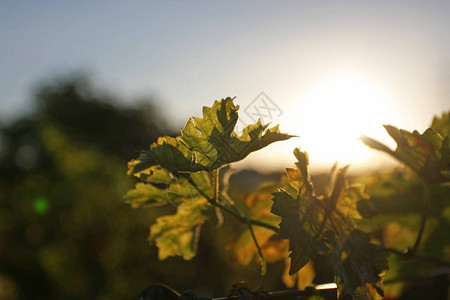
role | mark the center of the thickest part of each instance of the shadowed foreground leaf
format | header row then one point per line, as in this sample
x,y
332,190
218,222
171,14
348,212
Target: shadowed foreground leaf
x,y
357,265
300,233
315,224
299,223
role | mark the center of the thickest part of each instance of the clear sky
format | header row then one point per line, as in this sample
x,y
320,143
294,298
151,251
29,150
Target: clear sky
x,y
335,69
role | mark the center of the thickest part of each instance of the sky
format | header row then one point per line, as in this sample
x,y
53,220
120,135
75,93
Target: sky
x,y
330,70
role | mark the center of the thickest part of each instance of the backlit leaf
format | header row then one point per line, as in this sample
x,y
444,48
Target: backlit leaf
x,y
209,142
428,153
348,203
158,192
178,234
154,174
442,124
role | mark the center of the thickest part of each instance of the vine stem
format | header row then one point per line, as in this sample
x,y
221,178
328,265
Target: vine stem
x,y
426,198
216,185
245,220
417,256
261,255
235,213
238,214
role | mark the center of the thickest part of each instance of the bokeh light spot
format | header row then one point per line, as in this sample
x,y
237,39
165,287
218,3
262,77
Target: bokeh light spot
x,y
40,205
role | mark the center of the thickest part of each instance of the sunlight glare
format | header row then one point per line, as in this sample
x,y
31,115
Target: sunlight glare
x,y
335,112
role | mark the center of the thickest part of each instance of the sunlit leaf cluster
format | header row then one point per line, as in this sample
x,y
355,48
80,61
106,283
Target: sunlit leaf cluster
x,y
320,225
281,221
178,171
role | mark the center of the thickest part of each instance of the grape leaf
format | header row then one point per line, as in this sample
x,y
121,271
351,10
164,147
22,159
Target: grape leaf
x,y
178,234
357,264
442,124
350,199
208,143
299,229
315,224
428,153
154,174
352,202
299,222
164,188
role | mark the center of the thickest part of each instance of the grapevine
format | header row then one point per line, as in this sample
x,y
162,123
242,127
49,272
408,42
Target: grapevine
x,y
290,217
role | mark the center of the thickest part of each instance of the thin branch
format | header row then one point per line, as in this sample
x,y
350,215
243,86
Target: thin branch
x,y
426,198
261,255
414,278
243,220
224,196
410,255
235,214
216,185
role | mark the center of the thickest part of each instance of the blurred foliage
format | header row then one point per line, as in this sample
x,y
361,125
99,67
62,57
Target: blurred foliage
x,y
397,198
64,233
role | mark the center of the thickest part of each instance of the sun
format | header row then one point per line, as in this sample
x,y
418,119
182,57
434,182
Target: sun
x,y
332,114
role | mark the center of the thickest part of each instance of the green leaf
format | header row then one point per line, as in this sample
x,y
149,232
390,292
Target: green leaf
x,y
337,193
358,265
428,153
160,192
178,234
303,165
208,143
442,124
300,215
374,144
352,201
154,174
290,228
